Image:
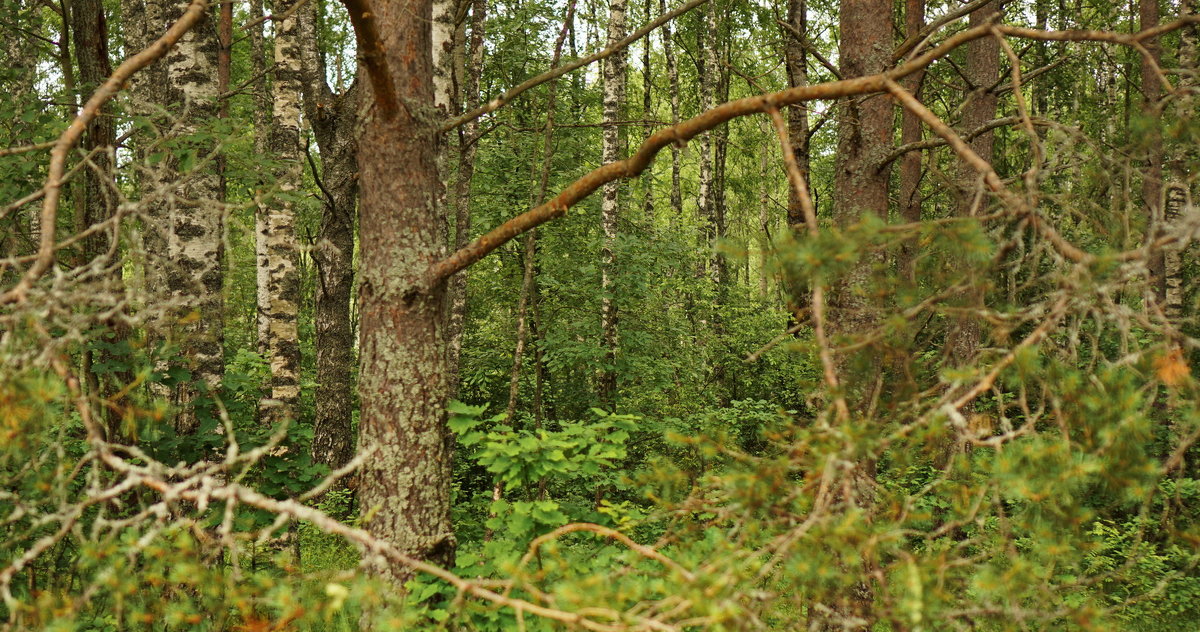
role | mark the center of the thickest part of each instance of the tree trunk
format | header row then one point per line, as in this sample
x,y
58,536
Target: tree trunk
x,y
541,170
195,277
613,97
332,118
860,187
1179,188
1152,179
404,486
278,277
467,143
673,82
910,132
981,73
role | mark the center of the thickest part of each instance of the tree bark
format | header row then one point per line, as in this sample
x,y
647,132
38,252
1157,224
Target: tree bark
x,y
195,217
1152,178
910,132
278,277
860,187
404,487
1179,188
332,117
982,71
673,82
613,98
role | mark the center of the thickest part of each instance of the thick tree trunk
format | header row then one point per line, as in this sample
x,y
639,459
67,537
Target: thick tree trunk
x,y
614,97
278,277
982,72
864,138
404,487
462,194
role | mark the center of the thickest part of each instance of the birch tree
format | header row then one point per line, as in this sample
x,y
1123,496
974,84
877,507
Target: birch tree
x,y
278,280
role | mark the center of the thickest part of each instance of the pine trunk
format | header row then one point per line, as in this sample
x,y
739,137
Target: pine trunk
x,y
404,488
910,132
982,73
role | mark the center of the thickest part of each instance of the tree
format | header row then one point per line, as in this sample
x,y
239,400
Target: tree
x,y
404,486
275,226
614,100
332,117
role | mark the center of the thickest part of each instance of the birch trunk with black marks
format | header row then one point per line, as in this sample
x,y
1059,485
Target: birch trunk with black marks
x,y
332,118
1180,186
613,99
1152,178
194,214
278,278
404,487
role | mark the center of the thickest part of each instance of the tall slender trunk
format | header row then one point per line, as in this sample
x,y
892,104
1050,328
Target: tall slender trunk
x,y
195,216
467,144
613,97
1180,187
706,70
1152,179
673,83
404,487
796,60
910,132
982,71
332,117
648,115
278,276
89,26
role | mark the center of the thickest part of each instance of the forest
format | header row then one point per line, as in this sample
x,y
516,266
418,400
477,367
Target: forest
x,y
605,315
